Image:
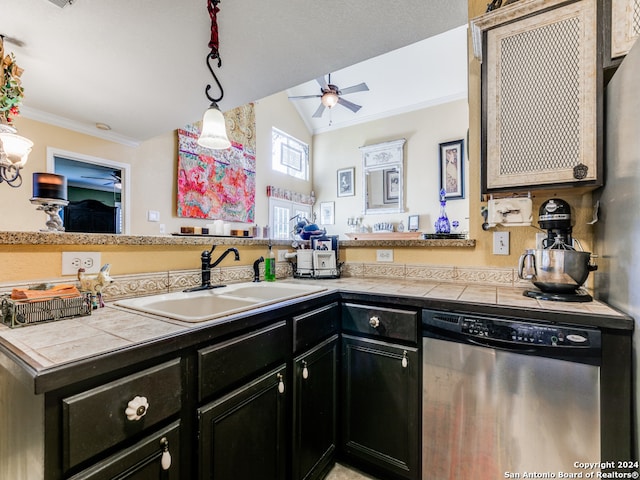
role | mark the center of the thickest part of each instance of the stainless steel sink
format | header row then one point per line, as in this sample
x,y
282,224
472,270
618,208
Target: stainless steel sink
x,y
205,305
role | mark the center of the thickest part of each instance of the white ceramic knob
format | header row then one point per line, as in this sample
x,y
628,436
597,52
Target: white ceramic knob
x,y
280,383
374,322
136,408
305,372
405,360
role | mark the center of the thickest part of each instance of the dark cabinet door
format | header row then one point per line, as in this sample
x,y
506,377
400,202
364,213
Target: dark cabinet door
x,y
143,461
315,396
242,435
381,406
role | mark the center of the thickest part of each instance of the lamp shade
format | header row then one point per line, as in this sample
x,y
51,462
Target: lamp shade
x,y
330,99
214,130
16,149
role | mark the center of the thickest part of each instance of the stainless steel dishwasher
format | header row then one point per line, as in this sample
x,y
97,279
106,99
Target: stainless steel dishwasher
x,y
502,397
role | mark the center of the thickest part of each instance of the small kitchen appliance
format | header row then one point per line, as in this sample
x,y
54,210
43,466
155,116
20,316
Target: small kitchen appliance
x,y
557,269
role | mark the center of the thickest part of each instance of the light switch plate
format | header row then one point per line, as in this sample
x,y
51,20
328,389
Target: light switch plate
x,y
384,255
501,243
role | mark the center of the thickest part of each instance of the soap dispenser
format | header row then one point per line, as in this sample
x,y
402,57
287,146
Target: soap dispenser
x,y
270,266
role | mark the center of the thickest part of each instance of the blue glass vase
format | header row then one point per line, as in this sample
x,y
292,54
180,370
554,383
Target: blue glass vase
x,y
442,224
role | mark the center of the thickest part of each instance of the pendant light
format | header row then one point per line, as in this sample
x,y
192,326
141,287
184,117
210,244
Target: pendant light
x,y
214,128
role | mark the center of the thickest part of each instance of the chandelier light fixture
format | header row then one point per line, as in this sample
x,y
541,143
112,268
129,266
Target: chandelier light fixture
x,y
214,128
14,149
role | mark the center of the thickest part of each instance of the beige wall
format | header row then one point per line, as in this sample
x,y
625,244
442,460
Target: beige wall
x,y
153,169
423,130
154,165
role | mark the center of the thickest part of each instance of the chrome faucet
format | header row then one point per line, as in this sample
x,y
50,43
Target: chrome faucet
x,y
206,266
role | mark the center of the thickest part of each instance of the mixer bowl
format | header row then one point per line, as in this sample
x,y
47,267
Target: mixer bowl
x,y
557,271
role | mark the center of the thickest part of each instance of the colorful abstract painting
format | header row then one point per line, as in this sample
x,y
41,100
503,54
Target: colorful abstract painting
x,y
217,184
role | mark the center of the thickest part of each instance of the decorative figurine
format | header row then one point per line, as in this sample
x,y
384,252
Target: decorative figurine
x,y
95,283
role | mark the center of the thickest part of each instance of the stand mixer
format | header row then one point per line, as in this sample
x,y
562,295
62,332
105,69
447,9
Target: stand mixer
x,y
555,218
557,269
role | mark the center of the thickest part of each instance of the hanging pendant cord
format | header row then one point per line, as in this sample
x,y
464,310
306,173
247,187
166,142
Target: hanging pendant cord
x,y
214,45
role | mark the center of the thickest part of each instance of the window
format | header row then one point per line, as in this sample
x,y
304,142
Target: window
x,y
281,213
289,155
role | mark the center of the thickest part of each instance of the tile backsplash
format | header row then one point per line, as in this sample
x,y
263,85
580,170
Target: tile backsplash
x,y
127,286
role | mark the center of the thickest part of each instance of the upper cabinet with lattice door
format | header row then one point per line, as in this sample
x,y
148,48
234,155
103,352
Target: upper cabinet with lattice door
x,y
541,95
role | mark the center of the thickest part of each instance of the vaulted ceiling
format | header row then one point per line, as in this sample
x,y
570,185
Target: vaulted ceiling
x,y
139,66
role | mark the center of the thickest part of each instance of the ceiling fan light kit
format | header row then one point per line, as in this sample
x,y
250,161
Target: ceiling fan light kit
x,y
330,99
214,127
331,95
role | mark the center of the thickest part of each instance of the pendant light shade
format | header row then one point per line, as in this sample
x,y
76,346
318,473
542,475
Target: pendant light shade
x,y
214,130
214,127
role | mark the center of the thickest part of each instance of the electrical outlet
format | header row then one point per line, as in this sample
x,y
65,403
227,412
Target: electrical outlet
x,y
384,255
72,261
501,243
539,238
281,255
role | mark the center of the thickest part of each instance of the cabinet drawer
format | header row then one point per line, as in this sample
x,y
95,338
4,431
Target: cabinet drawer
x,y
379,321
95,420
224,364
142,460
310,328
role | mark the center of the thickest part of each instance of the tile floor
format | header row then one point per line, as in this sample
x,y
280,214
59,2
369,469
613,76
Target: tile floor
x,y
340,472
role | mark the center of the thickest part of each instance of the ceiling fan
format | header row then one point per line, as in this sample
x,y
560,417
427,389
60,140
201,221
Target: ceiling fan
x,y
331,94
113,178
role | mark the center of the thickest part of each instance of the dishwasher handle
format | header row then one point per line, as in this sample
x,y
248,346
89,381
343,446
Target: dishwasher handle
x,y
496,346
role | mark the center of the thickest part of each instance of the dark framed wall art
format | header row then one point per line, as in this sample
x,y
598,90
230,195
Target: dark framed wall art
x,y
346,182
452,169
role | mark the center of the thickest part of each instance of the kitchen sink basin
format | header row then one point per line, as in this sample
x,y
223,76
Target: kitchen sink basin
x,y
203,305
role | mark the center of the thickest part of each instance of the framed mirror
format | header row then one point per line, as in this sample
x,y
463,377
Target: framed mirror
x,y
383,178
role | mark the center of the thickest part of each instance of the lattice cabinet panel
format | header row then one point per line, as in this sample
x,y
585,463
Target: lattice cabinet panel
x,y
625,26
540,98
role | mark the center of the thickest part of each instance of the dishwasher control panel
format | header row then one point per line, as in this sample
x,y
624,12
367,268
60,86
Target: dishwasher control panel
x,y
513,332
518,332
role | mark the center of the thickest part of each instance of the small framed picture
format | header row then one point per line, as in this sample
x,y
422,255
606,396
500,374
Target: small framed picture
x,y
414,223
325,242
346,183
327,213
391,187
452,169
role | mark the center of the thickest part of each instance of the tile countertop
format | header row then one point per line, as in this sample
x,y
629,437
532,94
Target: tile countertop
x,y
49,345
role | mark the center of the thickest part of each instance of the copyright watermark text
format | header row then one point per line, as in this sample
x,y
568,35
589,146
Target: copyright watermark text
x,y
596,470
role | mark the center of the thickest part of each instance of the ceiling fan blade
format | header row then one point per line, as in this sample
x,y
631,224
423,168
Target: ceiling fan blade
x,y
298,97
350,105
362,87
323,83
318,113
